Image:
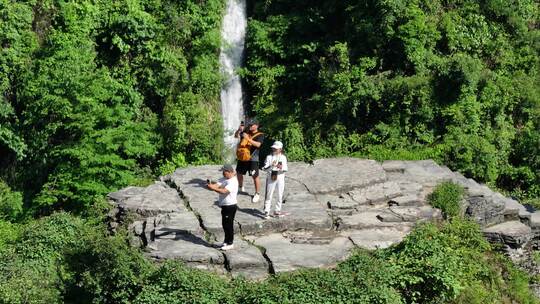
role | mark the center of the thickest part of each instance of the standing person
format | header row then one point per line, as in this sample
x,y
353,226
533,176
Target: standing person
x,y
247,155
276,165
227,187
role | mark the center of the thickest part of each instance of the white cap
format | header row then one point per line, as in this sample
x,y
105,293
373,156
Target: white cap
x,y
277,145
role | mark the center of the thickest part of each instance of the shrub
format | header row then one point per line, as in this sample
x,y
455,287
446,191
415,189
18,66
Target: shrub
x,y
31,268
10,203
175,284
447,197
104,269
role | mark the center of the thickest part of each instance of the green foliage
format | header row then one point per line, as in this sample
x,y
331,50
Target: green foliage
x,y
447,196
455,81
31,270
94,92
64,259
175,283
9,233
453,263
11,203
104,270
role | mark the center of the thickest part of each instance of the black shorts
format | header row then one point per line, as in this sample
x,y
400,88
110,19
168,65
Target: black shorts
x,y
251,167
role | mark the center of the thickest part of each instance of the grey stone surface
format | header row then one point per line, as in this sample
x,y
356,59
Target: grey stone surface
x,y
514,234
333,205
195,252
378,238
534,220
376,193
484,210
288,256
344,173
145,201
408,200
365,220
409,214
246,260
303,208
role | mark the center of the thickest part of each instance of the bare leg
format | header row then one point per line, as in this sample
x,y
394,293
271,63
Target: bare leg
x,y
257,182
240,178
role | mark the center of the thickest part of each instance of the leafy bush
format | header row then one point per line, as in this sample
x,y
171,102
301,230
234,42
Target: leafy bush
x,y
31,267
104,269
176,283
447,196
94,91
454,263
456,82
363,278
11,203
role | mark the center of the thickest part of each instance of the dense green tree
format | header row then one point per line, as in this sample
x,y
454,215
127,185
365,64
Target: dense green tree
x,y
94,94
452,80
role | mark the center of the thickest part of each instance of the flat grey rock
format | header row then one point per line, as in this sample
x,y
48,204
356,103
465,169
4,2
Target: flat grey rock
x,y
145,201
288,256
378,238
303,209
365,220
337,174
534,220
198,254
376,193
340,201
484,210
175,225
247,261
407,200
409,214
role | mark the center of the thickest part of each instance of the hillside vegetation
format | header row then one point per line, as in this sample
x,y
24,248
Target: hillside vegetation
x,y
457,81
97,95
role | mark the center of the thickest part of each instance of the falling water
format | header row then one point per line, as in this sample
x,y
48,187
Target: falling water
x,y
233,33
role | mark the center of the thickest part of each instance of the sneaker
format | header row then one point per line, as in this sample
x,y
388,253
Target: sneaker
x,y
277,214
255,198
266,215
226,247
242,189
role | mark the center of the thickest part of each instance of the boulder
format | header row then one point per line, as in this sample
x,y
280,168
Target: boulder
x,y
514,234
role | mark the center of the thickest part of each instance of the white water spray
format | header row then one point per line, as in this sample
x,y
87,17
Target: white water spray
x,y
233,33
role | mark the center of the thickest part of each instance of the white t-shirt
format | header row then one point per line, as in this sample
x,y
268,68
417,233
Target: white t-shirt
x,y
230,184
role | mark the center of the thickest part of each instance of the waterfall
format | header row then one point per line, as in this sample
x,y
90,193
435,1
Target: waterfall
x,y
233,32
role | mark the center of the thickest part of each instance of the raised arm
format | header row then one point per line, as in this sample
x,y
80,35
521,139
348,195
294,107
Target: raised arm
x,y
217,188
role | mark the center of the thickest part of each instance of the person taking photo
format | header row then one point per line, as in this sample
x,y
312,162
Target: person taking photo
x,y
247,155
227,188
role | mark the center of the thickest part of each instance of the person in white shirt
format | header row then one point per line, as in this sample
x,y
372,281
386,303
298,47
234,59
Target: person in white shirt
x,y
276,165
227,187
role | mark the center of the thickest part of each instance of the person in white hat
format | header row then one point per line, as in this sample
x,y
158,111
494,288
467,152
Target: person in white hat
x,y
276,165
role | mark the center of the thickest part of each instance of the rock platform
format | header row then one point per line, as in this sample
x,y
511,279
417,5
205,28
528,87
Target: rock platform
x,y
334,206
